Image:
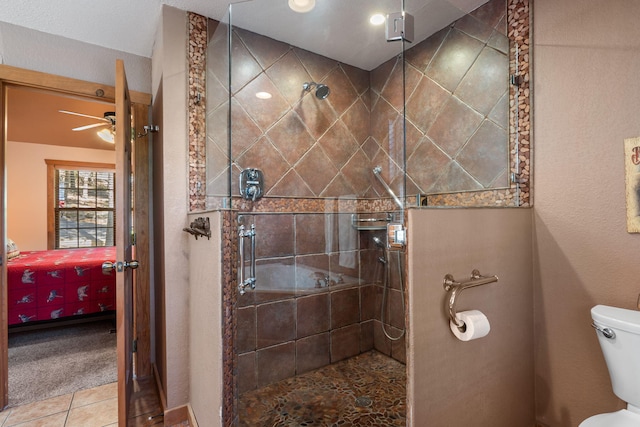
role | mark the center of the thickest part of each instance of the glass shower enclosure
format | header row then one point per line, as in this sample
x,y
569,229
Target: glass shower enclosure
x,y
321,131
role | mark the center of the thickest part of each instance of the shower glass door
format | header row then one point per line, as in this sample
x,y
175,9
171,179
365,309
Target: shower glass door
x,y
320,133
317,162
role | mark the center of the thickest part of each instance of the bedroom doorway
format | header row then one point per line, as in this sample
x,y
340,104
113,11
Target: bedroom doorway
x,y
12,78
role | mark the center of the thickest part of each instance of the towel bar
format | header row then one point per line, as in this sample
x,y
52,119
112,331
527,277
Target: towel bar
x,y
454,288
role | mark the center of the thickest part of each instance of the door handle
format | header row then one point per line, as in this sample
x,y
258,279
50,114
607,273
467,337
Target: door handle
x,y
119,266
251,281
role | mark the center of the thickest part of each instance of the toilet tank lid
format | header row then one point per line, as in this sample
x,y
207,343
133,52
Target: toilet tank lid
x,y
617,318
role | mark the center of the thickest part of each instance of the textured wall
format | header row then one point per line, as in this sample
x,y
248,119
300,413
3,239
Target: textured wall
x,y
33,50
170,208
205,341
488,381
587,98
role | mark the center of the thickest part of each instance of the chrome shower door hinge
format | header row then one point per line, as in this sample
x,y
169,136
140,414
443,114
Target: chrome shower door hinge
x,y
399,27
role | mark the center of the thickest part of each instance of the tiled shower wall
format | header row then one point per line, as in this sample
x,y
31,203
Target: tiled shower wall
x,y
457,119
301,316
517,194
457,115
458,105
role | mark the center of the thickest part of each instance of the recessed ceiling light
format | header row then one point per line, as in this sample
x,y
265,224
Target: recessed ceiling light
x,y
377,19
263,95
302,6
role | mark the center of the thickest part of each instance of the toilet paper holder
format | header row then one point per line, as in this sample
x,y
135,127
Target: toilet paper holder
x,y
454,288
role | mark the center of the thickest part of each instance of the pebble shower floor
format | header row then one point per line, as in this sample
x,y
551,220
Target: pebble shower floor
x,y
366,390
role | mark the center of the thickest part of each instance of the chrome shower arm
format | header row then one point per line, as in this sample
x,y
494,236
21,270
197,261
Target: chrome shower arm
x,y
376,172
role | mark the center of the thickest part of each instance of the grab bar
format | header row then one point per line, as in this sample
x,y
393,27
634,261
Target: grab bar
x,y
376,171
250,281
450,285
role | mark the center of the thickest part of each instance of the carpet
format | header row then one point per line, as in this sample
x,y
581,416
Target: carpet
x,y
51,362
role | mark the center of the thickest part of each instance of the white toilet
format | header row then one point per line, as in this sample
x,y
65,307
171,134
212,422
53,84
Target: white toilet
x,y
618,332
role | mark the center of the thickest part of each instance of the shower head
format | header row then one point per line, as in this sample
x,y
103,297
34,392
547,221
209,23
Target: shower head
x,y
322,91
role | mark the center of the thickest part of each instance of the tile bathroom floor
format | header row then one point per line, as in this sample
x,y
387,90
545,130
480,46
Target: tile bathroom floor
x,y
366,390
88,408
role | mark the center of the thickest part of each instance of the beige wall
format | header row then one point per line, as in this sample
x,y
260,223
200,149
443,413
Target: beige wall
x,y
205,325
488,381
170,206
27,188
34,50
587,100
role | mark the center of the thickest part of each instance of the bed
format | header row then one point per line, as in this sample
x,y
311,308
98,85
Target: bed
x,y
59,284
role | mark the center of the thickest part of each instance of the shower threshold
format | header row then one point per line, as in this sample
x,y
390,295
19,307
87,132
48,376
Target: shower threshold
x,y
332,396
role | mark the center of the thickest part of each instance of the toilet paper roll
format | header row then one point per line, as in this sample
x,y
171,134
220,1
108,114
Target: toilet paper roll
x,y
477,325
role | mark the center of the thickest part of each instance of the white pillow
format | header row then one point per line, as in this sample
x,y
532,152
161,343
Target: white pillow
x,y
12,249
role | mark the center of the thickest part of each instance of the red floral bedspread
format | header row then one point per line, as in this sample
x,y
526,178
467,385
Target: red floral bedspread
x,y
45,285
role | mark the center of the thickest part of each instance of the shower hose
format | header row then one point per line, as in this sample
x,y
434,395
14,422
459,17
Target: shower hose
x,y
385,290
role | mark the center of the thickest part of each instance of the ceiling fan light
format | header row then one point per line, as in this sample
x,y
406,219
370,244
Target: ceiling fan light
x,y
302,6
106,135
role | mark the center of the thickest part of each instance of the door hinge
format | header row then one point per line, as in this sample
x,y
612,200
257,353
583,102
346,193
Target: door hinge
x,y
147,129
134,346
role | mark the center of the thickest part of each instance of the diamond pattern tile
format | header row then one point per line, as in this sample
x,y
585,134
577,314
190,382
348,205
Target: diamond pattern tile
x,y
484,157
244,131
290,137
265,112
316,164
486,81
457,101
318,66
357,119
338,144
244,66
288,74
263,155
343,94
266,50
455,56
427,164
454,126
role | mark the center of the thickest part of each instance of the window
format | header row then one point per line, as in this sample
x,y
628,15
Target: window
x,y
81,205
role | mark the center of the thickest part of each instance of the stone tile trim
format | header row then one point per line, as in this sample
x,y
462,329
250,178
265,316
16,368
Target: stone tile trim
x,y
229,322
306,205
518,31
196,108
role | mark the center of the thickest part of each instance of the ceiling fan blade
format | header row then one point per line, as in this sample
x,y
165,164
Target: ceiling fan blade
x,y
84,115
95,125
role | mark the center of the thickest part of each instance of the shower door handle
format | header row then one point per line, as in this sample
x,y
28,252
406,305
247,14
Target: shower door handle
x,y
251,280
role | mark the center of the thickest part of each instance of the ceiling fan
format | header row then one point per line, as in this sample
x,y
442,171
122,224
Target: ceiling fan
x,y
109,119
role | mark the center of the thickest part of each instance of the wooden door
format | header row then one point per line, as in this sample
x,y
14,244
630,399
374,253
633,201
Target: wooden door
x,y
89,90
4,334
124,245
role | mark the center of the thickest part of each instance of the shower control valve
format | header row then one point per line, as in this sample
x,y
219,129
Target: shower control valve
x,y
251,184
